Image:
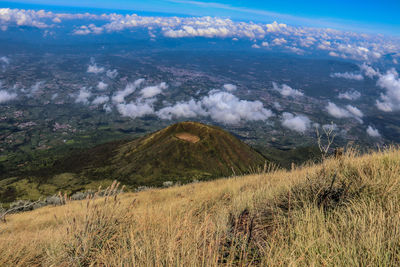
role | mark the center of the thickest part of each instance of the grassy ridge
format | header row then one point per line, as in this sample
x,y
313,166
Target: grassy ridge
x,y
343,212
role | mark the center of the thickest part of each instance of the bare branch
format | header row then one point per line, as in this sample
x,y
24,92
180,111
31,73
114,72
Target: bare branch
x,y
329,134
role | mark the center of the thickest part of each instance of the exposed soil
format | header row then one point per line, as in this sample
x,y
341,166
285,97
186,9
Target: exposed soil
x,y
188,137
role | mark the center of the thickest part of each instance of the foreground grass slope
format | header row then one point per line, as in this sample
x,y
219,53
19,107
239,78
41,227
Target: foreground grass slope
x,y
343,212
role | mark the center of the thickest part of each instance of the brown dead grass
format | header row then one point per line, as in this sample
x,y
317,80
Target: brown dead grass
x,y
344,212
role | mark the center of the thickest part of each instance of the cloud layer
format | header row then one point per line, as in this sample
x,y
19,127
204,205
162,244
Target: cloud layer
x,y
299,40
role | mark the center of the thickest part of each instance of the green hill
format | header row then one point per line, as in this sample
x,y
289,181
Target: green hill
x,y
182,152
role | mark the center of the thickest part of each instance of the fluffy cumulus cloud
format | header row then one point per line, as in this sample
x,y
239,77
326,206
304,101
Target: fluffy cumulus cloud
x,y
135,109
276,27
188,109
298,123
83,96
93,68
390,99
34,90
226,108
279,41
354,111
100,100
348,75
347,112
348,45
230,87
102,86
90,29
6,96
369,71
151,91
4,60
220,106
350,95
112,74
119,97
286,90
371,131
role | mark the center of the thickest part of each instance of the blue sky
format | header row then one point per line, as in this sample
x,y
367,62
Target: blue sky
x,y
363,15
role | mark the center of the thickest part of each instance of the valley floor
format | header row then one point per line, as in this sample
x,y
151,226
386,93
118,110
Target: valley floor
x,y
343,212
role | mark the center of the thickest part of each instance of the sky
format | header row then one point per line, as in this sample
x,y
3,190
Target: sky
x,y
380,16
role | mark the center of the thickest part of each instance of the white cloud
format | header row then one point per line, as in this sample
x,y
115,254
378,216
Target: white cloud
x,y
189,109
6,96
390,100
348,75
373,132
348,112
343,44
112,74
279,41
135,109
355,111
34,90
333,54
56,20
298,123
152,91
350,95
276,27
369,71
107,108
90,29
226,108
5,60
277,105
95,69
222,107
337,112
230,87
100,100
83,96
119,96
286,90
102,86
40,19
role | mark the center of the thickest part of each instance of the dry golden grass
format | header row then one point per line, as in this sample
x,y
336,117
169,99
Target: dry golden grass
x,y
343,212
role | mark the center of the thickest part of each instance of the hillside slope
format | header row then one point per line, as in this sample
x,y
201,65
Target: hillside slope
x,y
343,212
180,153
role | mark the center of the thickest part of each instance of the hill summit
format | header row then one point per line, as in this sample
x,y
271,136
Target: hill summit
x,y
182,152
186,150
